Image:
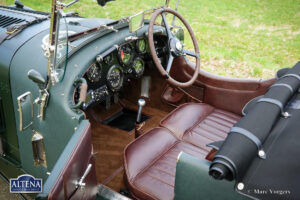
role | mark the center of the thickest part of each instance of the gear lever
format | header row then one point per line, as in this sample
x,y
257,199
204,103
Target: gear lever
x,y
139,124
141,103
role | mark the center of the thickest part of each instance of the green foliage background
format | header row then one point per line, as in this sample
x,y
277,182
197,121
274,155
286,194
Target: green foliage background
x,y
245,38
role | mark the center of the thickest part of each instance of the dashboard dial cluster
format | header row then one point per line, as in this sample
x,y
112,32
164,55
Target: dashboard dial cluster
x,y
107,75
131,57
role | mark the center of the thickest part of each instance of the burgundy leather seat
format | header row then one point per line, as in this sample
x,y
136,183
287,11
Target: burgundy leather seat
x,y
150,160
199,124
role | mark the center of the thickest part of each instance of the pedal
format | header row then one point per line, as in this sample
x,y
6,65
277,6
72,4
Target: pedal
x,y
145,86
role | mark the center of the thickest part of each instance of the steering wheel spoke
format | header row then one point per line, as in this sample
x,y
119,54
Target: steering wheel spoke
x,y
191,53
169,33
170,62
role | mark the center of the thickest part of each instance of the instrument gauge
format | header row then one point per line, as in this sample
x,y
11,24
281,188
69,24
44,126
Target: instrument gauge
x,y
141,45
108,59
114,78
125,54
94,73
138,67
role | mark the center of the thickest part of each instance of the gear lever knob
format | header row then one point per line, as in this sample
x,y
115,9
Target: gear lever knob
x,y
141,103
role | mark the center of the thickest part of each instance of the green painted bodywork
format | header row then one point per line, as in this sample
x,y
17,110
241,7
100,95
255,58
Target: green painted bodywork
x,y
60,120
7,51
193,182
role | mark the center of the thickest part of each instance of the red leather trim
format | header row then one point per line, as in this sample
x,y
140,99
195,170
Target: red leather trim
x,y
229,94
74,169
210,156
130,180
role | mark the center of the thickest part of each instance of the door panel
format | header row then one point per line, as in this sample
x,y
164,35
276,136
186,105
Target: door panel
x,y
70,168
230,94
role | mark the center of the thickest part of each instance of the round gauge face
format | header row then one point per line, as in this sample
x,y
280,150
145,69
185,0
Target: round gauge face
x,y
108,59
94,73
115,78
138,66
126,54
141,46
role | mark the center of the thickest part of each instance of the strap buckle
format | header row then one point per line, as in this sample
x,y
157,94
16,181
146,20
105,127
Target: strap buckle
x,y
12,30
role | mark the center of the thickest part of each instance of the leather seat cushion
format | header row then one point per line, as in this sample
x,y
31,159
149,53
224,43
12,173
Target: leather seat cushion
x,y
199,124
150,163
150,160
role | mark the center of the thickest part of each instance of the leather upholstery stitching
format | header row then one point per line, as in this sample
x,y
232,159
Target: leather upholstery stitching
x,y
155,160
222,133
159,169
214,126
208,118
223,117
228,114
204,129
160,180
176,109
197,123
194,149
147,167
205,136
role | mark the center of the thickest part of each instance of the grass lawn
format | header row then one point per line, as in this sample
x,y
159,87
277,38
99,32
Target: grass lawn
x,y
245,38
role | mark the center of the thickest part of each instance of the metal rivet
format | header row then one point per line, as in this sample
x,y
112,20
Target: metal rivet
x,y
261,153
286,115
240,186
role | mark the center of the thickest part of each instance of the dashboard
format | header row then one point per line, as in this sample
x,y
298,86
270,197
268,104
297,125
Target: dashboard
x,y
112,69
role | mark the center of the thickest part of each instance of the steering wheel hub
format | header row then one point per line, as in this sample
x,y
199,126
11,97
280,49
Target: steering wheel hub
x,y
179,46
176,47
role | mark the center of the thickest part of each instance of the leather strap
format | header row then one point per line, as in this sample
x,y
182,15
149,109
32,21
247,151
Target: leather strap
x,y
291,75
272,101
252,137
14,29
284,85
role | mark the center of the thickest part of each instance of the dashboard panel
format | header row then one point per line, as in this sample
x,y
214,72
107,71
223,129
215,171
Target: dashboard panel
x,y
112,69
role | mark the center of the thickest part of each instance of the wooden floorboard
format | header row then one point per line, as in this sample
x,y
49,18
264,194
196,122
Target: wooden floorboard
x,y
109,142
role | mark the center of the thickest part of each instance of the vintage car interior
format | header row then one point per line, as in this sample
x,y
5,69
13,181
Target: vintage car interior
x,y
135,93
185,114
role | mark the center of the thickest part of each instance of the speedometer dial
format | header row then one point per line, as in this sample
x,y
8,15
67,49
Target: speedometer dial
x,y
141,45
94,73
125,54
138,67
114,78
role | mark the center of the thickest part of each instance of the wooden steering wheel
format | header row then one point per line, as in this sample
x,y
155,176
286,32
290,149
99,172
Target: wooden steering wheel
x,y
175,47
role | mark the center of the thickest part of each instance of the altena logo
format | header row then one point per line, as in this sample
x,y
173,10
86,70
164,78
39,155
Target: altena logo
x,y
26,184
